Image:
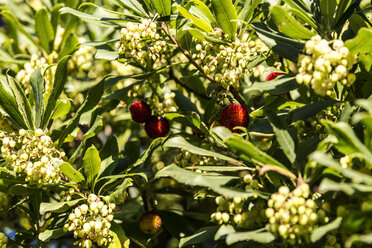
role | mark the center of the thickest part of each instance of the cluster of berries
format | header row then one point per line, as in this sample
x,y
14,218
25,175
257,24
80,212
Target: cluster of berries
x,y
155,127
3,240
234,115
186,158
144,44
239,212
24,75
32,154
292,215
251,182
82,59
228,60
91,222
160,102
323,66
67,195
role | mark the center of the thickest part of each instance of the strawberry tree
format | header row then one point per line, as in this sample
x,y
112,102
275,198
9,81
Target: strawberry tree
x,y
203,123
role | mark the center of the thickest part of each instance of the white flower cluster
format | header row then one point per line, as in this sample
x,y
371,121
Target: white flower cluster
x,y
323,66
32,155
82,59
238,212
24,75
3,240
144,44
91,222
292,215
228,61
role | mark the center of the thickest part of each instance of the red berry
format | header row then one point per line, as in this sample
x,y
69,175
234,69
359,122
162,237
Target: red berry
x,y
140,111
234,115
156,128
273,75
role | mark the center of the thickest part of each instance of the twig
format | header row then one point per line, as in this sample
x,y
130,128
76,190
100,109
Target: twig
x,y
239,99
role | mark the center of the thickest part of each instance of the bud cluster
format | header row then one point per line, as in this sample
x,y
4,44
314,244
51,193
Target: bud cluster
x,y
186,158
239,212
323,66
82,59
251,181
159,103
24,75
4,201
32,154
228,60
91,222
292,215
144,44
67,195
3,240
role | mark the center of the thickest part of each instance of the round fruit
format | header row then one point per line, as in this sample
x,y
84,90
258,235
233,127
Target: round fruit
x,y
140,111
273,75
234,115
156,128
150,223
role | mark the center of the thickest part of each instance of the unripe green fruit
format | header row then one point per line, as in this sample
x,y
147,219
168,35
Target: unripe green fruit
x,y
225,217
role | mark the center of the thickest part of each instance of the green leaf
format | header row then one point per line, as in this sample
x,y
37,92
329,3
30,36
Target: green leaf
x,y
213,181
204,8
247,12
44,30
62,108
163,7
87,17
9,105
37,83
135,6
118,196
21,189
362,43
180,142
284,46
289,25
309,110
200,236
347,188
93,97
91,164
120,240
196,21
60,79
327,8
23,104
109,153
71,172
260,235
48,235
106,54
319,232
55,16
300,12
58,207
276,86
226,16
341,7
70,46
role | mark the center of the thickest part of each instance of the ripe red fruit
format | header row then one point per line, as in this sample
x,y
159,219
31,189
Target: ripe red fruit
x,y
140,111
156,128
234,115
273,75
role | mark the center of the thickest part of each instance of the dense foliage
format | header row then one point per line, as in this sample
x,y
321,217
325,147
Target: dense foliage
x,y
202,123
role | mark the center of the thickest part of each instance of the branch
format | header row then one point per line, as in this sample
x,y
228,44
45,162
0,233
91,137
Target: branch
x,y
239,99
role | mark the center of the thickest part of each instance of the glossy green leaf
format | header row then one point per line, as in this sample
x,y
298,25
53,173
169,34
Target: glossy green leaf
x,y
118,195
362,43
87,17
91,164
300,11
163,7
70,46
71,172
37,83
22,101
9,105
120,240
44,30
58,207
289,25
48,235
226,16
196,21
60,79
200,236
247,12
327,8
260,235
134,5
276,86
180,142
204,8
62,108
319,232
